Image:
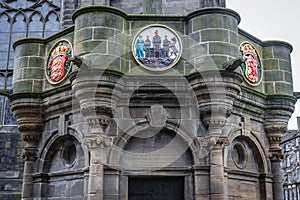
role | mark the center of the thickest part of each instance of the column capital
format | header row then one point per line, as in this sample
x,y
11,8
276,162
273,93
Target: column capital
x,y
98,141
29,154
275,155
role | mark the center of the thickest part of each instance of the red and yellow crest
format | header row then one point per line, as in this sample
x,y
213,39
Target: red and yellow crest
x,y
59,62
252,67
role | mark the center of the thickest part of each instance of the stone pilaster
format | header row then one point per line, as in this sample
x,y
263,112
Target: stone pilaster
x,y
216,92
28,113
218,181
98,147
97,92
279,109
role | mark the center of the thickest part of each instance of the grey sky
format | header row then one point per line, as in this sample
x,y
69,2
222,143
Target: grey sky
x,y
274,20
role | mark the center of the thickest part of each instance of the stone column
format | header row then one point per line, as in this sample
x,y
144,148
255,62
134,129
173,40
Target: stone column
x,y
216,91
97,92
279,109
29,155
28,115
275,134
218,181
98,146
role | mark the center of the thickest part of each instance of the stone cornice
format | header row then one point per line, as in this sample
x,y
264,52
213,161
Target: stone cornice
x,y
266,43
223,11
147,17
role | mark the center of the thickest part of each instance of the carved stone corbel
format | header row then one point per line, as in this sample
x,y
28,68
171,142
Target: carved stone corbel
x,y
278,112
98,117
216,91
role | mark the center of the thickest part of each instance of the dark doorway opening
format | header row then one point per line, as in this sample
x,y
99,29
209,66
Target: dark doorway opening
x,y
158,188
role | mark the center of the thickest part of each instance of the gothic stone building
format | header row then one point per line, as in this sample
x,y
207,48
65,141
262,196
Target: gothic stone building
x,y
290,145
102,120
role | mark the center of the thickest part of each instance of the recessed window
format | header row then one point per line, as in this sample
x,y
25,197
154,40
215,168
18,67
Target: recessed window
x,y
239,155
69,154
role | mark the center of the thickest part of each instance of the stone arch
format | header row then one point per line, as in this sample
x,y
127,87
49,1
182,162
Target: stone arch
x,y
127,142
35,24
254,141
245,156
55,146
62,165
52,24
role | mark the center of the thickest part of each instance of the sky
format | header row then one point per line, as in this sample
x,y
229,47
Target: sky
x,y
274,20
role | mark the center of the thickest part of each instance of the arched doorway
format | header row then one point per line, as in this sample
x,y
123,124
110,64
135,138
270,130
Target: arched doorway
x,y
157,164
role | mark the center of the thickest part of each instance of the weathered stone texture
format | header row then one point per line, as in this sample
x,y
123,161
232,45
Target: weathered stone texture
x,y
11,163
112,121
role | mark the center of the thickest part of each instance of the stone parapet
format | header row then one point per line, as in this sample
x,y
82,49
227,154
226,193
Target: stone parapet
x,y
276,58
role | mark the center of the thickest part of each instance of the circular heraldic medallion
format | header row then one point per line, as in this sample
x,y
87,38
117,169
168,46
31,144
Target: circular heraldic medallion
x,y
156,47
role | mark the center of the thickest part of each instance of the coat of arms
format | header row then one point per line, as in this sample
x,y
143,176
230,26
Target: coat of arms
x,y
59,63
156,47
251,68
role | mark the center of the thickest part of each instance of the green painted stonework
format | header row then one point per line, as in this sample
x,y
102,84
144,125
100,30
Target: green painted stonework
x,y
214,35
84,34
202,98
271,64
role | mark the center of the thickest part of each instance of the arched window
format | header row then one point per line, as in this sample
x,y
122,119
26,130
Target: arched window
x,y
20,19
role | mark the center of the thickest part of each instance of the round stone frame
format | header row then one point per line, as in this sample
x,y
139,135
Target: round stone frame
x,y
66,149
166,32
241,159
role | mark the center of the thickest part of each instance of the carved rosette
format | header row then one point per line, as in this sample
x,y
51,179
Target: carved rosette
x,y
216,91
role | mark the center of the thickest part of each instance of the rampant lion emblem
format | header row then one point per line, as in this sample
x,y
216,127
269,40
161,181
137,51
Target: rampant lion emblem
x,y
251,68
59,62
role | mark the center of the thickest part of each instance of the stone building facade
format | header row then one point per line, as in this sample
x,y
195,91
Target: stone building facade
x,y
106,126
290,163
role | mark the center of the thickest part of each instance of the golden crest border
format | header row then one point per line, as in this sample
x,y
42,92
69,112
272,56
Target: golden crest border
x,y
260,62
48,59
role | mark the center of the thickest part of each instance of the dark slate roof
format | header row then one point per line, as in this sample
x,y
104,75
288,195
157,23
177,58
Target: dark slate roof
x,y
290,134
9,129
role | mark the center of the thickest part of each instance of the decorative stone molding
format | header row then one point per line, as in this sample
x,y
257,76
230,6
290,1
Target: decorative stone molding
x,y
99,141
223,140
97,115
275,155
29,154
97,92
216,91
279,109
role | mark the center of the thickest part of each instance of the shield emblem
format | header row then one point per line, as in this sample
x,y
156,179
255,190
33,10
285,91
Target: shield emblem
x,y
59,62
251,68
